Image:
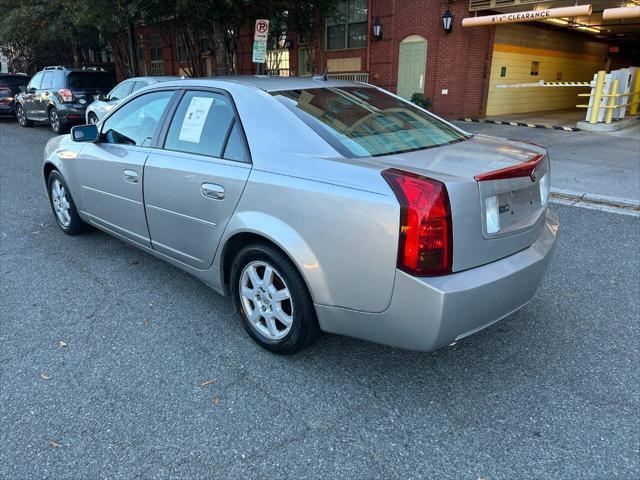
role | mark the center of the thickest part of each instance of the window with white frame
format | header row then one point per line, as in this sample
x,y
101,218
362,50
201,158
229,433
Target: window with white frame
x,y
141,56
348,28
181,49
155,54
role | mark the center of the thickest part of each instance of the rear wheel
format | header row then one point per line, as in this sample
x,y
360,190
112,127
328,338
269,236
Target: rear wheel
x,y
56,124
270,294
64,209
22,116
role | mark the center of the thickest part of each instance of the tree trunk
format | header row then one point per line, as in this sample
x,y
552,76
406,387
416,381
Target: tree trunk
x,y
220,48
135,71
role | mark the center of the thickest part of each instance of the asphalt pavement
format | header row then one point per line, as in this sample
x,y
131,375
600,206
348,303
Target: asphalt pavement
x,y
114,364
583,162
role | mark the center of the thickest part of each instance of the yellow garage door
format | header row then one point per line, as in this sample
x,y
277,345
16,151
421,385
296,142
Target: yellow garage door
x,y
526,54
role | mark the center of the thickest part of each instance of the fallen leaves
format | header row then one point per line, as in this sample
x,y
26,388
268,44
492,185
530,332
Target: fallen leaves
x,y
215,400
145,322
132,262
45,376
54,444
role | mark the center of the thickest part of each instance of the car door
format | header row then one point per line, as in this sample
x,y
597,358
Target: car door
x,y
111,170
193,184
42,95
29,95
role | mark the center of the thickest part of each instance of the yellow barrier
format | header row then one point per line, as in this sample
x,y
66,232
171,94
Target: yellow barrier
x,y
598,94
611,104
635,99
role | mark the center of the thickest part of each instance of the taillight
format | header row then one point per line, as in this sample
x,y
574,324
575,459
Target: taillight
x,y
66,94
426,240
524,169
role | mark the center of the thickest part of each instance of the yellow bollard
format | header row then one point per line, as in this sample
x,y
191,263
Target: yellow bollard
x,y
611,104
597,97
635,99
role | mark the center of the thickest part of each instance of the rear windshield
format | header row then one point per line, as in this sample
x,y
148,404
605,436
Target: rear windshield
x,y
94,80
14,81
365,121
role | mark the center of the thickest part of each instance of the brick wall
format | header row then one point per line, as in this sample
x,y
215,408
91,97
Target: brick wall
x,y
459,61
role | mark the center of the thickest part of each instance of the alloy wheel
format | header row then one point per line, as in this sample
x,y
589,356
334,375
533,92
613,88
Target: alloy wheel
x,y
266,300
21,117
54,120
61,204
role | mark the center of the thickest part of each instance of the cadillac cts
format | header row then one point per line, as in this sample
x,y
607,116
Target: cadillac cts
x,y
317,205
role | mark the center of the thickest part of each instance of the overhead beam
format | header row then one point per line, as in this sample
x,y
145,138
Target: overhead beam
x,y
530,16
620,13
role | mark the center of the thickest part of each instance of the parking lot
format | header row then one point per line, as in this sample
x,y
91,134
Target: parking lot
x,y
115,363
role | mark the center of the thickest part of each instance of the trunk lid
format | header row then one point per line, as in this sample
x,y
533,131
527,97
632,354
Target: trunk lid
x,y
494,214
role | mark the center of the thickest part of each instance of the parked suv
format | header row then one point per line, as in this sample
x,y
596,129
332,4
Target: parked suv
x,y
60,95
10,86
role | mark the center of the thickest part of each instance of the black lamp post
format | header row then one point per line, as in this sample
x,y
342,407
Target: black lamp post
x,y
447,21
377,29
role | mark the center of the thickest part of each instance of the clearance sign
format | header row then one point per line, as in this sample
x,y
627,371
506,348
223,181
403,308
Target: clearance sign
x,y
530,16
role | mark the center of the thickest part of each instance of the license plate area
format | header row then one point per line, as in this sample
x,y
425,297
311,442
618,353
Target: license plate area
x,y
511,206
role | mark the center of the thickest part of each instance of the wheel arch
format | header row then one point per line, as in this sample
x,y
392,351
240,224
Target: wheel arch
x,y
274,232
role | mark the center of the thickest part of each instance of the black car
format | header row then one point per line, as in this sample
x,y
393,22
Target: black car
x,y
10,86
60,95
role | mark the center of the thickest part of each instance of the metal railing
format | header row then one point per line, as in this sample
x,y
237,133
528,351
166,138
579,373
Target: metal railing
x,y
352,76
606,91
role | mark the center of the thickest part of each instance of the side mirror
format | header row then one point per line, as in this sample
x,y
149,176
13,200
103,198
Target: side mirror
x,y
84,133
31,90
103,98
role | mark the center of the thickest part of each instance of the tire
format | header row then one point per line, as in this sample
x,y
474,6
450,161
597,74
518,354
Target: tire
x,y
23,121
61,200
56,124
92,118
303,328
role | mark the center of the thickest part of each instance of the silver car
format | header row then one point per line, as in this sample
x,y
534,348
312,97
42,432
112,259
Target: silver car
x,y
317,205
99,108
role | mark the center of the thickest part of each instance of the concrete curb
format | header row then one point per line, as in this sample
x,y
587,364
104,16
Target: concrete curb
x,y
627,206
608,127
520,124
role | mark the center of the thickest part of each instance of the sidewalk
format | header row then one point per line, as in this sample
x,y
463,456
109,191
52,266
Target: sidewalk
x,y
605,166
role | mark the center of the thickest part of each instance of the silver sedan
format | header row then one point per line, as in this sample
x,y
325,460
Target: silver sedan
x,y
316,205
104,104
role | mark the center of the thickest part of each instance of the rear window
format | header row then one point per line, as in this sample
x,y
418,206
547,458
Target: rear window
x,y
365,121
14,82
91,80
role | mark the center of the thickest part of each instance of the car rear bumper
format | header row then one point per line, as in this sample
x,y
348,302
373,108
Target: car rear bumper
x,y
72,114
427,313
7,109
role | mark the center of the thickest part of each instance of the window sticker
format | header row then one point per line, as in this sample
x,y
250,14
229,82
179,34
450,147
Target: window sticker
x,y
194,119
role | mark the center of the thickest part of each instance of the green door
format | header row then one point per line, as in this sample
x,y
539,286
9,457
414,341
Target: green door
x,y
411,68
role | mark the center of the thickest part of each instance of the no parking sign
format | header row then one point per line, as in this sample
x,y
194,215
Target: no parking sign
x,y
260,36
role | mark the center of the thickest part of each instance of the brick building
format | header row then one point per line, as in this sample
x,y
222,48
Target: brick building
x,y
459,70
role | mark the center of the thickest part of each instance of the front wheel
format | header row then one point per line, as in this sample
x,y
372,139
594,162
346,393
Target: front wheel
x,y
63,206
22,116
56,124
270,294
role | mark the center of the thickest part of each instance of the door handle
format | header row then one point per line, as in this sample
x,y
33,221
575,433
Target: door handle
x,y
212,190
130,176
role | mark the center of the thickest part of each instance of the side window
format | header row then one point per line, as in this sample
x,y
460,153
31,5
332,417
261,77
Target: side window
x,y
36,81
235,149
138,85
120,91
135,122
201,124
47,81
